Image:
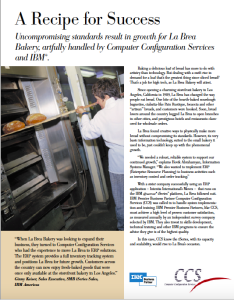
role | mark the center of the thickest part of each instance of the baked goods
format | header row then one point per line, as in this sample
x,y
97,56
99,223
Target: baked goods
x,y
13,126
35,118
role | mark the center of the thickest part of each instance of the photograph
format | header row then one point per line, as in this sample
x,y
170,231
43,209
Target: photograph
x,y
62,142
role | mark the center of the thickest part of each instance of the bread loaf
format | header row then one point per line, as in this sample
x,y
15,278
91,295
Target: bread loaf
x,y
13,126
35,118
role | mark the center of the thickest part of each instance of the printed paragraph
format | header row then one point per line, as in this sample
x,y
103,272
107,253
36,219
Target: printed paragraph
x,y
172,208
174,138
45,259
172,167
185,96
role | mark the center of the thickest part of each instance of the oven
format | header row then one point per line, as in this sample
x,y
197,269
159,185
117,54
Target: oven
x,y
41,169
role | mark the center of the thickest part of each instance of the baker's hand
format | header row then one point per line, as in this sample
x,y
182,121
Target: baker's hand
x,y
80,110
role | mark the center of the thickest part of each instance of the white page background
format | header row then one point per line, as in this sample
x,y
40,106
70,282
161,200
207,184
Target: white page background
x,y
211,22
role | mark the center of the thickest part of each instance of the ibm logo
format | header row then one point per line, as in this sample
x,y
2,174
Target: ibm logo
x,y
137,277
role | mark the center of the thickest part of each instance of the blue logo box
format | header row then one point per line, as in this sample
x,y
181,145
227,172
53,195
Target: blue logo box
x,y
136,277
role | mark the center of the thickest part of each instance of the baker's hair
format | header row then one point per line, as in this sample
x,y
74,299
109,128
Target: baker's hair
x,y
106,86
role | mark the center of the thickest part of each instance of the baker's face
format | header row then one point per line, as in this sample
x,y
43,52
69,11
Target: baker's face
x,y
102,102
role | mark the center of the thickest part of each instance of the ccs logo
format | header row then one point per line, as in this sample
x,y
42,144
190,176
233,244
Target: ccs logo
x,y
143,279
188,275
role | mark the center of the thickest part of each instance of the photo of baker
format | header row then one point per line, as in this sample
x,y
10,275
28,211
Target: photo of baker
x,y
62,161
